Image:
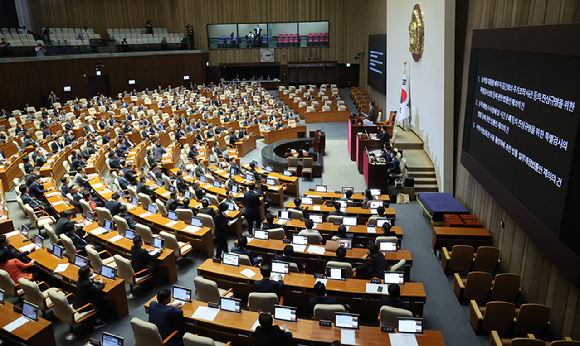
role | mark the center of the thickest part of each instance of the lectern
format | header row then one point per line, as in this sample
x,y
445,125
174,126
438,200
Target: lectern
x,y
319,143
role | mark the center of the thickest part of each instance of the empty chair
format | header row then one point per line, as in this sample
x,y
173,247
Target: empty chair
x,y
144,232
180,248
65,312
295,213
486,259
293,165
207,221
506,288
147,333
104,214
495,340
532,319
126,272
327,311
307,167
69,249
494,316
184,214
459,259
35,296
51,234
399,266
475,287
388,316
144,200
334,218
96,260
276,233
38,222
263,301
344,265
161,206
208,291
196,340
121,224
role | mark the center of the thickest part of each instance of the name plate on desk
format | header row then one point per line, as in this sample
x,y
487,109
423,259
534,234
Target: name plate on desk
x,y
217,260
286,241
324,323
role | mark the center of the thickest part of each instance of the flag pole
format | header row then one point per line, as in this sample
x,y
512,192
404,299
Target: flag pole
x,y
406,120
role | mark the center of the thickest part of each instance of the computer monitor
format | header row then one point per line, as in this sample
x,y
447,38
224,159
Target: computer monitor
x,y
375,192
134,201
149,176
346,243
269,169
108,225
57,251
380,222
89,217
171,188
30,310
336,273
1,296
182,294
345,189
159,182
109,339
39,241
186,194
376,204
315,218
394,277
108,272
349,220
280,267
231,207
321,188
217,184
410,325
284,215
345,320
299,239
24,230
259,234
152,208
288,173
307,200
270,181
81,261
232,171
171,215
197,222
232,260
158,243
343,203
235,188
231,304
285,313
220,165
388,246
129,234
249,176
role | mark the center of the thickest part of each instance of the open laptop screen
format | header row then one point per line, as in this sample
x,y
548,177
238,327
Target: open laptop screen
x,y
285,313
111,340
81,261
280,267
231,304
108,272
182,294
321,188
345,189
410,325
315,218
299,239
232,260
29,310
336,273
57,251
307,200
285,215
348,321
259,234
346,243
349,221
388,246
394,278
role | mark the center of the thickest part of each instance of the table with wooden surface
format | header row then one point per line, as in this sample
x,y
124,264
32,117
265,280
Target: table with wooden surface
x,y
362,214
353,130
299,288
336,195
326,116
219,139
31,333
55,198
450,236
171,156
237,328
292,183
10,171
364,143
114,290
54,165
287,133
246,145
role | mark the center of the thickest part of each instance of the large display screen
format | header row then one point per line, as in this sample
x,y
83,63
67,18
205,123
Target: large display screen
x,y
521,124
377,63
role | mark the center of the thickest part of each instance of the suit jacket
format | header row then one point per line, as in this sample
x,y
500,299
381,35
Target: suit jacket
x,y
142,188
268,286
291,260
372,117
221,225
384,137
13,254
272,336
395,303
89,128
37,191
115,163
158,153
208,211
27,200
395,167
55,146
181,185
123,182
68,126
253,203
113,207
139,258
78,242
320,300
164,316
29,180
130,222
171,204
374,266
76,164
88,291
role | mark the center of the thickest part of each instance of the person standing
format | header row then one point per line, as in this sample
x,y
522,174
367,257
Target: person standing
x,y
252,212
220,230
40,50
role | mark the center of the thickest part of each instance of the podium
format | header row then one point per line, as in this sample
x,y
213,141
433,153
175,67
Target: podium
x,y
319,143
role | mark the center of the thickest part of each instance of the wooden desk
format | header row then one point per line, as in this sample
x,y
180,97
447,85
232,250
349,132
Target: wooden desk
x,y
299,288
287,133
6,224
55,198
449,236
38,333
220,140
353,130
375,174
328,229
362,143
246,145
326,117
362,214
331,195
292,183
54,166
11,171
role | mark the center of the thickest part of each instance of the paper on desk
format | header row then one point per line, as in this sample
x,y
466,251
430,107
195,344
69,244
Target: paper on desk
x,y
145,214
105,191
205,313
51,194
299,248
247,273
324,281
316,207
93,175
371,229
60,268
97,231
191,229
171,223
347,337
28,247
115,238
166,194
57,202
319,250
10,327
398,339
281,222
374,288
10,234
255,325
96,186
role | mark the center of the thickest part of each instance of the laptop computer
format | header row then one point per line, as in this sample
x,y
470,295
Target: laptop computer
x,y
299,239
288,173
315,218
380,222
388,246
284,215
262,235
410,325
89,217
152,208
345,189
270,181
81,261
108,272
307,200
269,169
343,203
1,296
217,184
197,222
279,267
285,313
336,274
186,194
231,304
39,241
158,243
345,243
57,251
171,215
346,320
375,192
375,204
249,177
109,339
30,311
181,294
321,188
349,221
232,260
108,225
129,234
394,277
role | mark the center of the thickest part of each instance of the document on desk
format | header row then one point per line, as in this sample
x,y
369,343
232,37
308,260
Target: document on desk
x,y
281,222
10,234
316,207
318,250
299,248
255,325
115,238
10,327
97,231
57,202
398,339
28,247
191,229
166,194
96,186
347,337
51,194
171,223
60,268
205,313
247,273
145,215
232,221
377,288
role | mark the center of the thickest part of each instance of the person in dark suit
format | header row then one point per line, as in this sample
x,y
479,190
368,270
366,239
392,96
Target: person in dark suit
x,y
394,168
387,232
206,209
394,298
172,204
89,128
374,265
114,161
297,204
221,228
180,182
37,189
371,115
124,183
58,227
79,242
90,291
129,173
269,222
252,212
158,152
55,147
164,315
340,255
27,166
27,200
241,250
30,178
143,188
10,253
113,205
140,256
337,211
77,162
287,257
321,297
266,285
384,136
269,334
123,213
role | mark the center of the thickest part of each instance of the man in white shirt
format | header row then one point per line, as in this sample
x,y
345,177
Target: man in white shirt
x,y
309,231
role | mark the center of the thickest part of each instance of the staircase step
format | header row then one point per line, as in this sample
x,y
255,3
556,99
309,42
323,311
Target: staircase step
x,y
426,181
409,146
420,169
421,174
426,188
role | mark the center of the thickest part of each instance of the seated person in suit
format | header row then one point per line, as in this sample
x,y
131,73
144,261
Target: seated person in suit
x,y
113,205
374,265
27,200
394,298
269,334
185,205
321,297
11,253
65,188
14,266
37,190
140,256
337,211
287,257
387,230
78,241
206,209
266,285
164,315
297,203
269,222
309,231
91,291
394,168
180,182
77,195
241,250
143,188
340,255
123,213
341,234
172,204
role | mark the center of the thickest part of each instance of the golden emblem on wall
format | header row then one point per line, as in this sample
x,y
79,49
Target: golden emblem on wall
x,y
417,33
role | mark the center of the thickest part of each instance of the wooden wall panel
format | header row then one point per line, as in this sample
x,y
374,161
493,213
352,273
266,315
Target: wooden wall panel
x,y
541,280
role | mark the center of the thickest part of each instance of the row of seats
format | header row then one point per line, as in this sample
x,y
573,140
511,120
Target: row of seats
x,y
24,40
